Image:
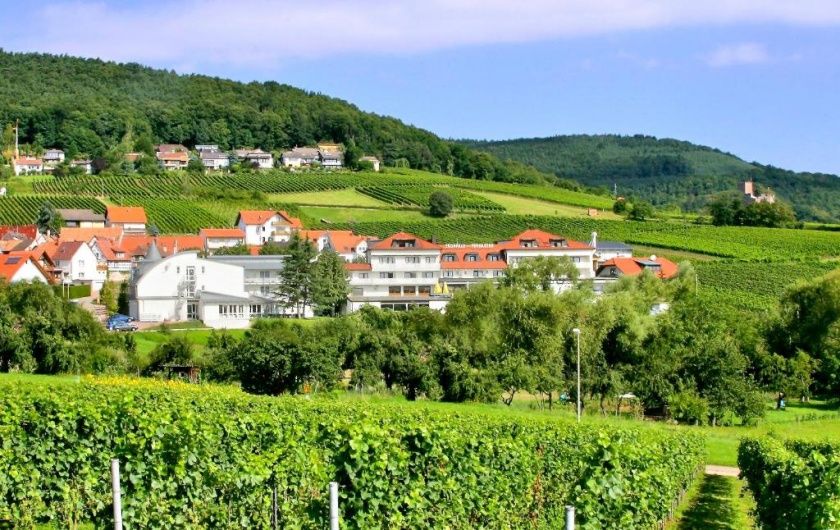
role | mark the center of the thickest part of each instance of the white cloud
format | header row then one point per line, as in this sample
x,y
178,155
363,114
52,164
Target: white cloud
x,y
265,32
738,54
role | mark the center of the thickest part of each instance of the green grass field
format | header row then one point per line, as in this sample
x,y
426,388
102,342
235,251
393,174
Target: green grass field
x,y
526,206
368,215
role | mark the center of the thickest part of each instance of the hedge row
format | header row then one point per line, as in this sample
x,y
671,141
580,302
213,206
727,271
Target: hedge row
x,y
796,484
208,457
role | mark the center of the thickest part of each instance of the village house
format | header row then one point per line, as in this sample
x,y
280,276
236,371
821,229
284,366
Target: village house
x,y
346,244
171,148
21,266
172,160
81,218
207,147
256,158
617,267
27,165
373,161
52,158
605,250
214,160
264,226
132,219
299,157
83,164
77,264
216,238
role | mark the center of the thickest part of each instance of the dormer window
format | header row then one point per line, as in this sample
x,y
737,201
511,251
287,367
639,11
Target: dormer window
x,y
449,257
558,243
528,243
471,257
403,243
493,257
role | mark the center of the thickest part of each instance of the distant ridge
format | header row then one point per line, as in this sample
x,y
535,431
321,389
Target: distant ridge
x,y
666,171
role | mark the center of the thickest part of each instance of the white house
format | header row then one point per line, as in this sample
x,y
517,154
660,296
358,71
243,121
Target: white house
x,y
52,158
465,265
27,165
216,238
331,159
21,267
118,262
172,160
606,250
84,164
532,243
300,156
346,244
81,218
77,264
256,158
132,219
214,159
373,161
402,271
264,226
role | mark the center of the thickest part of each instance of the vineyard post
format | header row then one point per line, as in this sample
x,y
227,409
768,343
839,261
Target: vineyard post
x,y
115,488
333,505
570,518
274,507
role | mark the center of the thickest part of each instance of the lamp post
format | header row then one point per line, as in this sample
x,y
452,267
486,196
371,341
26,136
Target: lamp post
x,y
576,331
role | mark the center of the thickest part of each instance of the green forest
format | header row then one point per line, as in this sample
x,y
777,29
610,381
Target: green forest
x,y
90,107
667,172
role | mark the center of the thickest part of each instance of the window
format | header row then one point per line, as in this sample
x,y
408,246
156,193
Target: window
x,y
449,274
177,270
386,275
428,274
222,310
557,243
412,259
478,274
496,274
493,257
410,274
264,275
394,290
448,257
410,290
430,259
363,275
576,259
471,257
387,259
256,310
425,290
403,243
528,243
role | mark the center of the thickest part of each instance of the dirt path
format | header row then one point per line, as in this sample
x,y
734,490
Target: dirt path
x,y
723,471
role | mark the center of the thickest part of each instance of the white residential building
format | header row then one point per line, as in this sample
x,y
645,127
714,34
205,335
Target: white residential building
x,y
78,265
264,226
256,158
214,160
20,266
533,243
26,165
299,156
216,238
402,271
373,161
85,165
52,158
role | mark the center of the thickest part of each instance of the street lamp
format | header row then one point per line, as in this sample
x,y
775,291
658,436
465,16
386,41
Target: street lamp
x,y
576,331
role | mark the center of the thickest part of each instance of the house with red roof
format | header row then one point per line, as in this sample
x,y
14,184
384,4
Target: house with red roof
x,y
172,160
28,165
21,266
216,238
533,243
267,226
464,265
346,244
404,272
132,219
77,264
617,267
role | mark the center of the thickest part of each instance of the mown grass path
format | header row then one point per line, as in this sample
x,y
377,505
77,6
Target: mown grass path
x,y
717,502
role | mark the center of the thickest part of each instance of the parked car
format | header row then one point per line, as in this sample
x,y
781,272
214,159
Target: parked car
x,y
118,317
122,326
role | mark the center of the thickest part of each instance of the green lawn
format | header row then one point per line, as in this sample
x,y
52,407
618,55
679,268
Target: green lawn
x,y
361,215
345,197
526,206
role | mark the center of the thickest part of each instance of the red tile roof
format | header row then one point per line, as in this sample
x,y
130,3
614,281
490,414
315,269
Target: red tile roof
x,y
357,266
12,262
137,245
72,233
222,232
66,250
481,252
177,156
259,217
344,241
30,231
126,214
417,243
28,161
543,241
634,266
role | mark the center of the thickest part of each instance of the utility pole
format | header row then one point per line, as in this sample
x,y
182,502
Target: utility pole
x,y
17,147
576,331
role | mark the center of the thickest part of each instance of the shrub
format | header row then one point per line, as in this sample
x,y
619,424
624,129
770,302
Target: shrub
x,y
688,407
440,204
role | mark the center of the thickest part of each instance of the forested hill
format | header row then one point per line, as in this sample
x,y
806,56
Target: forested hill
x,y
92,108
667,171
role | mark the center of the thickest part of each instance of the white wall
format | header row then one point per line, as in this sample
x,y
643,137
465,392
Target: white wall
x,y
28,273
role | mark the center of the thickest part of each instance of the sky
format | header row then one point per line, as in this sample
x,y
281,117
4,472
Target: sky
x,y
757,78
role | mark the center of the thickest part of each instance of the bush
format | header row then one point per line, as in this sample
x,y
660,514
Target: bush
x,y
796,484
208,457
688,407
440,204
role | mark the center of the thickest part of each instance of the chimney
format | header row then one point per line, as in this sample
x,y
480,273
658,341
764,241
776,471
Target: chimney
x,y
594,241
